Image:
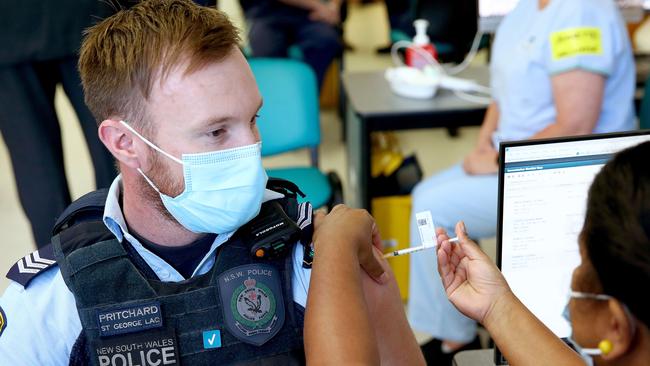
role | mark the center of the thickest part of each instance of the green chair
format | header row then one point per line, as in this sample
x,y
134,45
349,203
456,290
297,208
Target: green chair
x,y
644,110
290,120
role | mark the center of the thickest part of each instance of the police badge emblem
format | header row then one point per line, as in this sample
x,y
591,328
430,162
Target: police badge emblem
x,y
253,306
3,321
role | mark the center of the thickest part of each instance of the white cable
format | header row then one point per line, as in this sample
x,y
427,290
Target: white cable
x,y
433,62
472,98
470,55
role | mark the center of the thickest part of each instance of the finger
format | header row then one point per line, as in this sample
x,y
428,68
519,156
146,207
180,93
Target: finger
x,y
371,263
469,248
339,207
456,254
376,237
446,246
448,272
444,269
318,217
454,258
460,279
441,235
442,255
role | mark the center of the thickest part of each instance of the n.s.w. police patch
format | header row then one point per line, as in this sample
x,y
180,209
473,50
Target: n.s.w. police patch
x,y
3,321
252,301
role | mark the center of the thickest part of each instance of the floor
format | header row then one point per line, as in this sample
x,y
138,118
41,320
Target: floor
x,y
366,29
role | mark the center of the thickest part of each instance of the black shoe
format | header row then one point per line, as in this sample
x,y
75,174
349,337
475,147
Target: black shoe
x,y
434,356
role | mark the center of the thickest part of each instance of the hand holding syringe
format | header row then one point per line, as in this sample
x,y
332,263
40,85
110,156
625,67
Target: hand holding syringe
x,y
427,236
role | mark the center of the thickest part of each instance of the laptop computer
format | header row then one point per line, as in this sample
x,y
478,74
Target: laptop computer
x,y
543,186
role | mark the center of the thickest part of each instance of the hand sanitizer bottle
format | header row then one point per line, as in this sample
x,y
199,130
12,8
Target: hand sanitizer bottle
x,y
421,41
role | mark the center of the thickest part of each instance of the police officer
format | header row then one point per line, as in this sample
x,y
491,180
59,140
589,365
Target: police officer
x,y
187,258
558,68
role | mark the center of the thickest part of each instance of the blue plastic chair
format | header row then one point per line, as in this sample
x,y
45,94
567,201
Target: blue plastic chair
x,y
290,120
644,110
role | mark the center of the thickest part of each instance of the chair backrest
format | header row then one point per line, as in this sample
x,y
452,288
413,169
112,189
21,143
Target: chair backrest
x,y
644,110
289,118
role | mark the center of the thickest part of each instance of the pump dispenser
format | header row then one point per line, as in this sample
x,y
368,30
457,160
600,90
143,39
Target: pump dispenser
x,y
421,37
422,42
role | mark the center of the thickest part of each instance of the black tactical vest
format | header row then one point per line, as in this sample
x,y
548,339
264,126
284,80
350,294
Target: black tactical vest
x,y
240,312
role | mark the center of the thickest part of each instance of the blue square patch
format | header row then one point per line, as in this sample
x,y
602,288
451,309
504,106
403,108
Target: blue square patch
x,y
212,339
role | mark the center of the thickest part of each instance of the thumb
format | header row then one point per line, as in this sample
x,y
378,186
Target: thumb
x,y
376,237
371,262
469,247
317,217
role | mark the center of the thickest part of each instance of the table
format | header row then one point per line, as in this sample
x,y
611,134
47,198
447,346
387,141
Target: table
x,y
479,357
372,106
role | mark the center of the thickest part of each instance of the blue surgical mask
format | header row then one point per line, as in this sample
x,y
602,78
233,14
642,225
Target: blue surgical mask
x,y
585,353
223,189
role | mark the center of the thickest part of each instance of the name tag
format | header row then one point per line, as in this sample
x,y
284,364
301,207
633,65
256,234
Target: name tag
x,y
154,348
129,319
576,42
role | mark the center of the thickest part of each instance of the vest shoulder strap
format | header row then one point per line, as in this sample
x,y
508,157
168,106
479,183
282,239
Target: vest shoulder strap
x,y
89,207
80,223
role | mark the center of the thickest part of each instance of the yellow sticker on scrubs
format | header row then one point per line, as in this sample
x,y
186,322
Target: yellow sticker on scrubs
x,y
571,42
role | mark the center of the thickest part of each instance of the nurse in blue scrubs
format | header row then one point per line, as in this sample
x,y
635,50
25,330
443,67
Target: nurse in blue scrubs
x,y
559,68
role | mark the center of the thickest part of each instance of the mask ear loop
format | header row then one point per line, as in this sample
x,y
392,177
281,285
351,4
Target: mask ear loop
x,y
605,346
151,144
149,181
153,147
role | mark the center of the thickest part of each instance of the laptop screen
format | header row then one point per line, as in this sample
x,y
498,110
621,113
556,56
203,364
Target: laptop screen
x,y
543,188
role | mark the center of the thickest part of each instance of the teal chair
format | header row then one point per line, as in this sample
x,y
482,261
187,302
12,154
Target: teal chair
x,y
290,120
644,110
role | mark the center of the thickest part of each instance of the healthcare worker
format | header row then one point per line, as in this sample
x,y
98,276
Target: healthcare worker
x,y
559,68
608,305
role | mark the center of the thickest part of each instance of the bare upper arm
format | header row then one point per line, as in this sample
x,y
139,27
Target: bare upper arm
x,y
578,96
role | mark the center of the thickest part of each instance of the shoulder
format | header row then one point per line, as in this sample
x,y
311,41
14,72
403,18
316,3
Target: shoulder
x,y
47,292
301,276
585,12
40,321
32,265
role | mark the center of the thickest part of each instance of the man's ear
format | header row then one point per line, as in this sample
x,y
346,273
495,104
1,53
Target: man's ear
x,y
120,142
620,330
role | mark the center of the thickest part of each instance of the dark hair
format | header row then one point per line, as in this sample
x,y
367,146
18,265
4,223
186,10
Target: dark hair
x,y
617,229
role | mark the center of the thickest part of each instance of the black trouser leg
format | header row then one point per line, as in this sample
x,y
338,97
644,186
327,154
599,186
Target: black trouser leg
x,y
31,132
103,161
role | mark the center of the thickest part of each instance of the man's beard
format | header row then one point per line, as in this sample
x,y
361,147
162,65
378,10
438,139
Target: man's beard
x,y
160,176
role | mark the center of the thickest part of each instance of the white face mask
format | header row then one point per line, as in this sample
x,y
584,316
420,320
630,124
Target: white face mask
x,y
223,189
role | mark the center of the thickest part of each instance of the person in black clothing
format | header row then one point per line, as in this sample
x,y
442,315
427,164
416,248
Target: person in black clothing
x,y
39,51
311,25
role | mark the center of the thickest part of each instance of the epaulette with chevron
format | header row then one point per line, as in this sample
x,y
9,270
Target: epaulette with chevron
x,y
31,265
306,225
